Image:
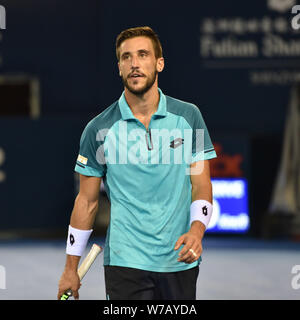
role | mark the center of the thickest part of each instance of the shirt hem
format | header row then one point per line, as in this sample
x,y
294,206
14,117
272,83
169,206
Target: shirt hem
x,y
154,268
204,156
88,171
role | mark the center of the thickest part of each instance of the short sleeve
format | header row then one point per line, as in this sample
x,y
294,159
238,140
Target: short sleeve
x,y
202,147
88,163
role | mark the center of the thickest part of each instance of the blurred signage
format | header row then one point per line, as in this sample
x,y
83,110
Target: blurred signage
x,y
2,17
226,165
268,45
230,190
2,24
296,19
230,206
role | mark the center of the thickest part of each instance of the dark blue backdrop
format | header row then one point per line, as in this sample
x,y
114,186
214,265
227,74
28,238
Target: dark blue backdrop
x,y
70,47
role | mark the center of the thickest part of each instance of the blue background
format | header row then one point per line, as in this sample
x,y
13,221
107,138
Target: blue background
x,y
70,47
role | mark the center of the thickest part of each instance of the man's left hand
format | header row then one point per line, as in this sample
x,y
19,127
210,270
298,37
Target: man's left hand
x,y
192,241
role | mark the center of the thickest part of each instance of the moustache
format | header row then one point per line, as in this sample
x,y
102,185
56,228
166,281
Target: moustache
x,y
137,74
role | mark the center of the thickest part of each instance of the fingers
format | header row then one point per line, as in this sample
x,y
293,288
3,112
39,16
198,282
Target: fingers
x,y
75,294
61,291
190,252
69,282
59,294
185,253
179,242
194,255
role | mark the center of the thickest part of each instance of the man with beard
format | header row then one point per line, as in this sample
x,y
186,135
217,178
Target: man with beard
x,y
159,209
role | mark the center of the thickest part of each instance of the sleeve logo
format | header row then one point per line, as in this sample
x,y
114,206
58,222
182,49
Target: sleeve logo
x,y
82,159
204,210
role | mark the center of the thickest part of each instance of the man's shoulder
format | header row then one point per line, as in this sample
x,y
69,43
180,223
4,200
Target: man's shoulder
x,y
182,108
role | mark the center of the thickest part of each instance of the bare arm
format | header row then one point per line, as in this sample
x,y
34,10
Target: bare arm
x,y
201,190
86,203
83,217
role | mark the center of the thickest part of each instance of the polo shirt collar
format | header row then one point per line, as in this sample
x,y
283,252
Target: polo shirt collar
x,y
127,113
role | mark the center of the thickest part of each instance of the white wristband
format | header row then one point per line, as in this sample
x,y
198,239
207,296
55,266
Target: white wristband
x,y
201,210
77,241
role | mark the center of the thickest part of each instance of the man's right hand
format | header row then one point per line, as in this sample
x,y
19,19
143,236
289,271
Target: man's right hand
x,y
69,280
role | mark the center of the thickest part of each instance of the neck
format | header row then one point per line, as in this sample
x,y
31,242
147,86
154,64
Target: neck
x,y
143,105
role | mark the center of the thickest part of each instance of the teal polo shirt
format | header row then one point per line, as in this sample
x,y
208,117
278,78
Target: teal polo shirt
x,y
146,177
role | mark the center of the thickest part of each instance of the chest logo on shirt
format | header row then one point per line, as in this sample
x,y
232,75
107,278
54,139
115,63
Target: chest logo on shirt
x,y
176,143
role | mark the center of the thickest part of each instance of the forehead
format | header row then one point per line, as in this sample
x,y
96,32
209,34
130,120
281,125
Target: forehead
x,y
135,44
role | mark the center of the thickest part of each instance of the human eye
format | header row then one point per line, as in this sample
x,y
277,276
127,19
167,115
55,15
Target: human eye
x,y
125,56
143,54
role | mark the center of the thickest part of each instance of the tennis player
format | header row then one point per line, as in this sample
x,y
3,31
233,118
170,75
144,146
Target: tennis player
x,y
146,149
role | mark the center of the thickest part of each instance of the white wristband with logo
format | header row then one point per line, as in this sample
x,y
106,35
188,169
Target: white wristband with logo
x,y
77,241
201,210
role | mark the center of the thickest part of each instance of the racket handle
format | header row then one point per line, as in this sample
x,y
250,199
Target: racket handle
x,y
66,295
84,267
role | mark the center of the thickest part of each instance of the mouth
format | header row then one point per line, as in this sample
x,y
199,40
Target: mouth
x,y
136,75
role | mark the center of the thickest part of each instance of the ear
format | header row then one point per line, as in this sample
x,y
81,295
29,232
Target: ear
x,y
160,64
120,73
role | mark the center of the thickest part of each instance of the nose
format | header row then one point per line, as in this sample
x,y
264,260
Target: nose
x,y
134,62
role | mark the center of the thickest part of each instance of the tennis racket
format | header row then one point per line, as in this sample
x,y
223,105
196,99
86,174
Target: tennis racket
x,y
84,267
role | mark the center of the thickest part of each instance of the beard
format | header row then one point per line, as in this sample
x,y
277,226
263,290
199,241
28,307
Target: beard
x,y
147,86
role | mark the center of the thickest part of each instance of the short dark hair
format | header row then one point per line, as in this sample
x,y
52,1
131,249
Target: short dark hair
x,y
139,32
